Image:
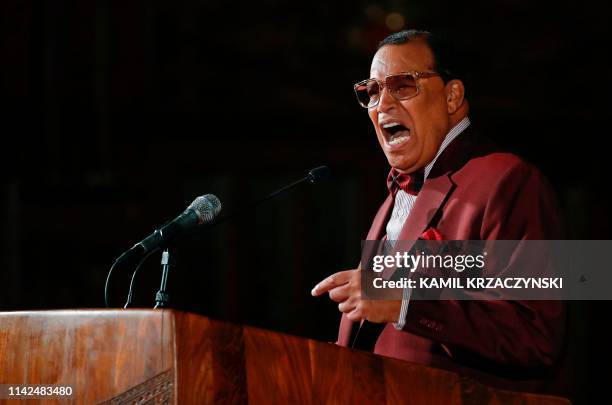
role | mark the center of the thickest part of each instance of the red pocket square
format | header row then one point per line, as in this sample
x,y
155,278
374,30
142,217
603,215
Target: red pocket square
x,y
432,234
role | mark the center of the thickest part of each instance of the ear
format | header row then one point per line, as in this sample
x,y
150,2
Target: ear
x,y
455,95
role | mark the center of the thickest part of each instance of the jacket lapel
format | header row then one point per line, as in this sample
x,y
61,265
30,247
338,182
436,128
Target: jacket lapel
x,y
427,204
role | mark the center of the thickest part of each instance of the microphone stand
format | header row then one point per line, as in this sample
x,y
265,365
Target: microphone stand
x,y
162,297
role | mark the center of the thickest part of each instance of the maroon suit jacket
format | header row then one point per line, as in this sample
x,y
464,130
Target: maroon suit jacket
x,y
475,192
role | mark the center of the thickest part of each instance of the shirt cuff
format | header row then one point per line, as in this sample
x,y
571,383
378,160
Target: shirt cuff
x,y
404,309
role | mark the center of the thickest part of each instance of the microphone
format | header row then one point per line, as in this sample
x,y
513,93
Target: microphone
x,y
318,173
203,210
314,176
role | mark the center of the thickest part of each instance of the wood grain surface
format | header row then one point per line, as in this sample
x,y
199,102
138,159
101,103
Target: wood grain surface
x,y
164,356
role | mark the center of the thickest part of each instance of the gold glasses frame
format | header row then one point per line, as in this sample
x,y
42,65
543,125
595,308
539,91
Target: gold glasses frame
x,y
382,84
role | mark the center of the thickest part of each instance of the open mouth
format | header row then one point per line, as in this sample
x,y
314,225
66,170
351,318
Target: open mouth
x,y
395,133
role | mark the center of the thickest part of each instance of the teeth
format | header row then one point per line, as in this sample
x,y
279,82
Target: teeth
x,y
398,140
390,124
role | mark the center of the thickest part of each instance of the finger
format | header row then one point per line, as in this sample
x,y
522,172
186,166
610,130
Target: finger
x,y
355,315
333,281
341,293
346,306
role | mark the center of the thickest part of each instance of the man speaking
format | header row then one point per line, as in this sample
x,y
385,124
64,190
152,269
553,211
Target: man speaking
x,y
448,183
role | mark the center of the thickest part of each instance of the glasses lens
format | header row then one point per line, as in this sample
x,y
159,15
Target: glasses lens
x,y
402,86
367,92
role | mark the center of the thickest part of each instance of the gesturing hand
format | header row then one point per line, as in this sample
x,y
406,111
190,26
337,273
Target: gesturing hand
x,y
344,287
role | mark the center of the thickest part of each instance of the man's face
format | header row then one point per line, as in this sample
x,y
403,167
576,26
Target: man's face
x,y
425,116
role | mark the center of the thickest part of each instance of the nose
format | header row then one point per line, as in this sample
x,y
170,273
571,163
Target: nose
x,y
386,102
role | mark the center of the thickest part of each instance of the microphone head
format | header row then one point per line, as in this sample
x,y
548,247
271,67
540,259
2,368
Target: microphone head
x,y
206,207
318,173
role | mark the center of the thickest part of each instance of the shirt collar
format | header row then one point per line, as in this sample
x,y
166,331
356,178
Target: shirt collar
x,y
452,134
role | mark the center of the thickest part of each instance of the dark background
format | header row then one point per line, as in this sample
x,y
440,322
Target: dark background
x,y
117,114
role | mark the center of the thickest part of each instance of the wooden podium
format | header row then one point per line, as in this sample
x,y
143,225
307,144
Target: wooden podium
x,y
169,357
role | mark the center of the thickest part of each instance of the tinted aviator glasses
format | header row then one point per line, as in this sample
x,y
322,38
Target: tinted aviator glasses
x,y
401,86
